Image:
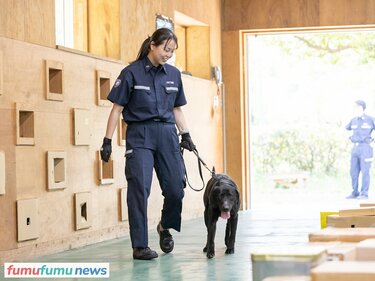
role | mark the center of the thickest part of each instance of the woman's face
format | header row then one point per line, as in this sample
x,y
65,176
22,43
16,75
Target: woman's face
x,y
160,54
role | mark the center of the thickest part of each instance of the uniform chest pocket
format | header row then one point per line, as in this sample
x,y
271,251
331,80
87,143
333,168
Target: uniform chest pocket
x,y
169,97
142,98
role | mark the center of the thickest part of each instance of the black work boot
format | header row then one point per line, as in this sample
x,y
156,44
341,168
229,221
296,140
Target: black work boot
x,y
144,254
165,239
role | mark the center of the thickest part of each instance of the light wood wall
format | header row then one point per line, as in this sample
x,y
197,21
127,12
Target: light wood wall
x,y
24,74
139,17
240,15
28,20
259,14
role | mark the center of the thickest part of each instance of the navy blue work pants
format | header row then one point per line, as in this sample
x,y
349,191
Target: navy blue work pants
x,y
360,162
153,145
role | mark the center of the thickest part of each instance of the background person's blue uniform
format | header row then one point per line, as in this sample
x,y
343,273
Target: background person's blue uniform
x,y
149,95
362,153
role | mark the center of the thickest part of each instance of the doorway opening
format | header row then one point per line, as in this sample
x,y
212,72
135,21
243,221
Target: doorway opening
x,y
301,89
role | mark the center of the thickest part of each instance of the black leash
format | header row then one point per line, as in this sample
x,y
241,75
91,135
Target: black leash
x,y
200,163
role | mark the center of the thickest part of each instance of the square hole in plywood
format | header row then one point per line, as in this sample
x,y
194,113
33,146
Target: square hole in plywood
x,y
121,131
54,81
27,219
2,172
105,171
103,81
25,125
83,210
56,169
82,126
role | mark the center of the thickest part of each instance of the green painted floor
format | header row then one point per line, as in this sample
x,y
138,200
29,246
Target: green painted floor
x,y
187,261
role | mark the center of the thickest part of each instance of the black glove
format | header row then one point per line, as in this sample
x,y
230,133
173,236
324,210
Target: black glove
x,y
106,149
187,142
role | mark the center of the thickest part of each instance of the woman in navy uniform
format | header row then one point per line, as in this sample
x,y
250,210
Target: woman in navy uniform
x,y
362,154
149,94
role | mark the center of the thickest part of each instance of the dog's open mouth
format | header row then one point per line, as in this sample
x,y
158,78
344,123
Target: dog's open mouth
x,y
225,215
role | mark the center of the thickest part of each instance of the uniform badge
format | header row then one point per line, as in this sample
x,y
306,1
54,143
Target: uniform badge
x,y
117,83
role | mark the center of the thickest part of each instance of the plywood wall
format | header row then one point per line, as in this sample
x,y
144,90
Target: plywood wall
x,y
260,14
139,17
27,40
28,20
104,28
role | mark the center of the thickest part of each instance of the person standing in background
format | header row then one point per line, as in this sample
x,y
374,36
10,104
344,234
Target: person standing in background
x,y
362,153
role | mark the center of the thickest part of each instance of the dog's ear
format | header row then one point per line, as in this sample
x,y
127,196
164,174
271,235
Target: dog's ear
x,y
238,194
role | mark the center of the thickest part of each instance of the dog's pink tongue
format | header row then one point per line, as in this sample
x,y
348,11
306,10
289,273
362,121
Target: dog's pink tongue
x,y
225,215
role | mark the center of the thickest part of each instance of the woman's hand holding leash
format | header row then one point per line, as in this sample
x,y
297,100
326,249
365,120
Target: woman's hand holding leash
x,y
187,142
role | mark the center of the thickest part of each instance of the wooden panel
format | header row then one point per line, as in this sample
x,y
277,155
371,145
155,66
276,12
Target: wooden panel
x,y
350,221
2,172
104,28
82,126
365,211
27,219
234,111
262,14
346,12
28,20
342,234
1,73
12,18
366,250
344,271
40,22
198,51
180,32
80,25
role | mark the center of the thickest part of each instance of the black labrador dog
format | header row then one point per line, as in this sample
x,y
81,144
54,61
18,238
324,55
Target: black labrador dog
x,y
221,199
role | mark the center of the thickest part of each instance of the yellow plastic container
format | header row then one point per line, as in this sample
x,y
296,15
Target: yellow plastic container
x,y
323,218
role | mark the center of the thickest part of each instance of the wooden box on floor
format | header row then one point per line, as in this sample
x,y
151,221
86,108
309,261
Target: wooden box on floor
x,y
365,250
364,211
344,271
342,234
296,260
368,204
338,251
350,222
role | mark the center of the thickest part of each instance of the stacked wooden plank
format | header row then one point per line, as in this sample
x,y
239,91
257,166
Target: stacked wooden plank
x,y
348,253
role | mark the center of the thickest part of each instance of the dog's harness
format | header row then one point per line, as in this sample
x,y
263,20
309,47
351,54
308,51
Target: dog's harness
x,y
200,163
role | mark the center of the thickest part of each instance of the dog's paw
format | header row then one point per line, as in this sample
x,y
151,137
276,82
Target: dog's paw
x,y
205,249
210,255
229,251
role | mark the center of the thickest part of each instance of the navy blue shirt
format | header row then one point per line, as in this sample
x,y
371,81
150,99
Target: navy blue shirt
x,y
362,128
147,92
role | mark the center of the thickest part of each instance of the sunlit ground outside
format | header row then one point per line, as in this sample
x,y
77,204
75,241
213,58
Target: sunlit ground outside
x,y
302,89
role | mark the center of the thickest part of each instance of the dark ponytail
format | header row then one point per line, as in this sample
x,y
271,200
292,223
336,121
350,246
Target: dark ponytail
x,y
157,38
